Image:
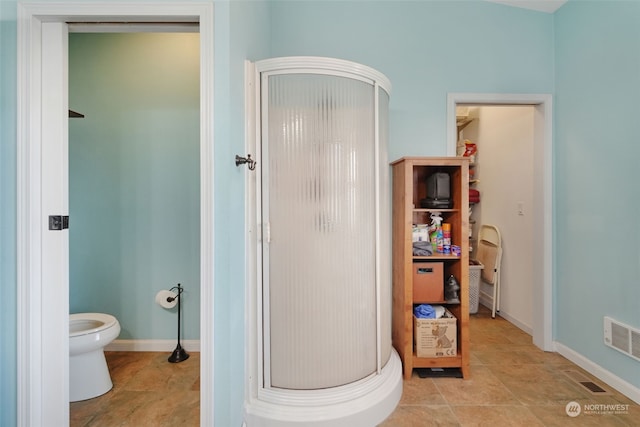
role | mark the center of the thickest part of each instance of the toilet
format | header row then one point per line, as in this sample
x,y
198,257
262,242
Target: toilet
x,y
89,374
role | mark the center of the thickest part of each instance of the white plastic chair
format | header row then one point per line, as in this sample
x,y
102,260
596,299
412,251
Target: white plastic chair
x,y
490,255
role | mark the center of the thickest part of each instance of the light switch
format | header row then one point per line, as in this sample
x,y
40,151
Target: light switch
x,y
521,208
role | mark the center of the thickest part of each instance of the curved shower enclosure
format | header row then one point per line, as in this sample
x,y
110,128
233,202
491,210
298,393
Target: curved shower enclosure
x,y
319,341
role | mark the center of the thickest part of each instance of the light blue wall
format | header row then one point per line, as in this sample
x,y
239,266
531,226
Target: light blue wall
x,y
426,49
242,32
588,53
134,179
597,191
8,291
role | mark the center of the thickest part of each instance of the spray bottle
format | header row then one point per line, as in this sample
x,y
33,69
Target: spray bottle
x,y
435,232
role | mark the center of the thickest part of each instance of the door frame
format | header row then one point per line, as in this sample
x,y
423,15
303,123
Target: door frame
x,y
542,252
41,310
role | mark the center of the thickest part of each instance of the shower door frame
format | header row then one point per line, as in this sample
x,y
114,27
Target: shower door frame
x,y
263,209
315,407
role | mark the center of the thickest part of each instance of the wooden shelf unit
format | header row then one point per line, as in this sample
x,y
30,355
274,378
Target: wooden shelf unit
x,y
409,187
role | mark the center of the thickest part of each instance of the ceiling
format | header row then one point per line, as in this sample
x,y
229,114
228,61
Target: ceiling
x,y
548,6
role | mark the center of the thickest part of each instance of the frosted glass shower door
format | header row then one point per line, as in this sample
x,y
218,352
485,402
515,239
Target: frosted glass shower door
x,y
319,218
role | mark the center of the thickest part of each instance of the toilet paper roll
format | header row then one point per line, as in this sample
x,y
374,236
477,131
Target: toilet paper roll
x,y
162,296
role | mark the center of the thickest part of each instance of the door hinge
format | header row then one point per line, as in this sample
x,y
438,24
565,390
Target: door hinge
x,y
58,222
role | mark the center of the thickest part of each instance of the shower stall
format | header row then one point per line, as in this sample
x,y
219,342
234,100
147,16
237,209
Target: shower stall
x,y
319,303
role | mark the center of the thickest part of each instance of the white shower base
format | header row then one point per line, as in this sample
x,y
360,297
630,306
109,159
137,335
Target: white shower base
x,y
365,403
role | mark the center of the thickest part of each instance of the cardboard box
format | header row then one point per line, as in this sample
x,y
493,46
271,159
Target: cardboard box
x,y
436,337
428,282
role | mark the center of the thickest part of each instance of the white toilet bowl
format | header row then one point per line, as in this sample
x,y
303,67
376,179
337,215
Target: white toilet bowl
x,y
89,333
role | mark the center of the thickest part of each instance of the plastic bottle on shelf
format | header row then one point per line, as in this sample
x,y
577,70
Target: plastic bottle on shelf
x,y
446,238
435,233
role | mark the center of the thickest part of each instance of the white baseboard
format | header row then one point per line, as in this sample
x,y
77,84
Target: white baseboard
x,y
515,322
152,345
485,301
629,390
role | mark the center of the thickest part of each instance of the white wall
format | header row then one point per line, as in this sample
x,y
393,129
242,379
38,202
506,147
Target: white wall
x,y
505,135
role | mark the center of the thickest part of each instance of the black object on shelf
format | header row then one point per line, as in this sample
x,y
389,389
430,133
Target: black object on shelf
x,y
438,192
439,372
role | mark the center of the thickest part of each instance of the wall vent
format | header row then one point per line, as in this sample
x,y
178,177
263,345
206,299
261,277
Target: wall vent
x,y
622,337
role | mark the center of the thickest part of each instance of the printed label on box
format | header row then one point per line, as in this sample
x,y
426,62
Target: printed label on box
x,y
436,337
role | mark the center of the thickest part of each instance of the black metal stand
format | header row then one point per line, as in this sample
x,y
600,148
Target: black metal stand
x,y
178,355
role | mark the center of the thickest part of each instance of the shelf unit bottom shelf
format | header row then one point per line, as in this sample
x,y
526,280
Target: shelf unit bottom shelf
x,y
435,362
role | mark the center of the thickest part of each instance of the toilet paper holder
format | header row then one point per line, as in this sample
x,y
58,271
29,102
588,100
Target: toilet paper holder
x,y
168,299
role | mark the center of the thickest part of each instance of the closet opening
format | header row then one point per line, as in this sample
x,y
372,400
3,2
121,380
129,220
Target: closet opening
x,y
513,173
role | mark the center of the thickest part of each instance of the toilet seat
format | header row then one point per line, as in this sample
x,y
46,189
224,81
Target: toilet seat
x,y
89,323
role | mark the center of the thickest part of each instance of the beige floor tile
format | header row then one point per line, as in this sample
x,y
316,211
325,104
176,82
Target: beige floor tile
x,y
421,416
139,408
163,375
148,391
538,385
481,388
492,357
556,416
495,416
420,391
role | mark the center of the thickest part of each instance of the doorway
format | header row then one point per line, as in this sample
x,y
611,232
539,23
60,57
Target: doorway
x,y
43,370
541,206
134,178
503,174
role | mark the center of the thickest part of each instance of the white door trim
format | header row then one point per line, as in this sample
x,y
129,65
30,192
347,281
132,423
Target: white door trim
x,y
543,195
39,397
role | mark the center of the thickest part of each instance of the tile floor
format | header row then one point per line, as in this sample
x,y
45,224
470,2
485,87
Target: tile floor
x,y
512,383
147,391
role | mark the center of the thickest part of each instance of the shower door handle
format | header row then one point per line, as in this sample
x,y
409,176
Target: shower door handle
x,y
265,232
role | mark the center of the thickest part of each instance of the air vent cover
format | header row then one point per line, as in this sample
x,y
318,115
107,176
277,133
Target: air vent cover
x,y
622,337
585,382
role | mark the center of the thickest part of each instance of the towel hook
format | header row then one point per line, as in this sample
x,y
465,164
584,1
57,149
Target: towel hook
x,y
251,164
